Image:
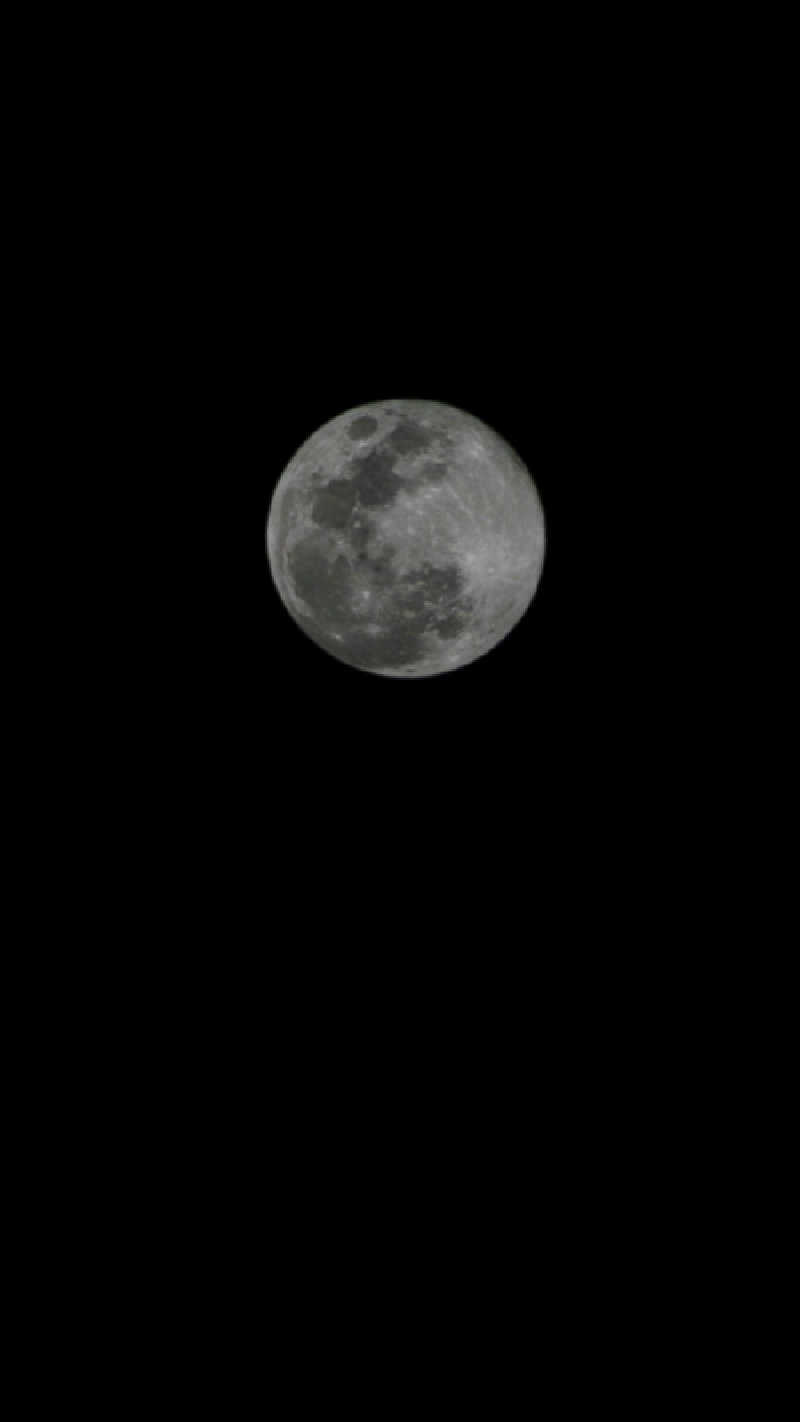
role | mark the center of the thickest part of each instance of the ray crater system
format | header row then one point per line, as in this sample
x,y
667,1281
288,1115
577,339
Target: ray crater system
x,y
406,538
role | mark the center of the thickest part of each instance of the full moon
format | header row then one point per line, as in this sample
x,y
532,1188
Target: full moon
x,y
406,538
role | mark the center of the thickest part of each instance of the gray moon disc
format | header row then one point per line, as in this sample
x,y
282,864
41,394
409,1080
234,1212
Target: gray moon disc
x,y
406,538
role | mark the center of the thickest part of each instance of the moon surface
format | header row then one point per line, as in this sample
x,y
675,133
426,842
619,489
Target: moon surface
x,y
406,538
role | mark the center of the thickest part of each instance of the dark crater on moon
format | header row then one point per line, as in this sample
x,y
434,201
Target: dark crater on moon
x,y
374,478
333,505
408,437
332,508
363,427
324,584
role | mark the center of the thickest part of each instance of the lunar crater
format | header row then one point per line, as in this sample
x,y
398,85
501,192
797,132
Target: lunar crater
x,y
408,437
362,427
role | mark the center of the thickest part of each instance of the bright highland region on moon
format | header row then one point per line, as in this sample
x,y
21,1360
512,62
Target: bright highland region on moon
x,y
406,538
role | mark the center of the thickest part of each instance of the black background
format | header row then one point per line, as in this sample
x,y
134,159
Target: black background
x,y
355,923
357,985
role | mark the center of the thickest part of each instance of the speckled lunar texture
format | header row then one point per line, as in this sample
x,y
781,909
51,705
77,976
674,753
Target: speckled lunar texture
x,y
406,538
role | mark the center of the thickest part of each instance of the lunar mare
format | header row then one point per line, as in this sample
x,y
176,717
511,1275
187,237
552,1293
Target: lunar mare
x,y
406,538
